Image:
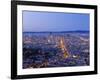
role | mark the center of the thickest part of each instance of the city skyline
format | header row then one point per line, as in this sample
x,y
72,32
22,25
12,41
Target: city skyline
x,y
54,21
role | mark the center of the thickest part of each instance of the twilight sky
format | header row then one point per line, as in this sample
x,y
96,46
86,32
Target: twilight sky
x,y
50,21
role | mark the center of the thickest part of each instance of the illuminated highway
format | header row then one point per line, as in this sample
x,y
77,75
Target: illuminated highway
x,y
63,48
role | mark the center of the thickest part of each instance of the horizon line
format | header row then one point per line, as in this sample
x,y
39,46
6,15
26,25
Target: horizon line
x,y
61,31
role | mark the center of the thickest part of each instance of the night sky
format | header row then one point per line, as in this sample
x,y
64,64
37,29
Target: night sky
x,y
51,21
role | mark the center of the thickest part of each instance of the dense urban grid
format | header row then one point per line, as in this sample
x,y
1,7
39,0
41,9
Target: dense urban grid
x,y
55,49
